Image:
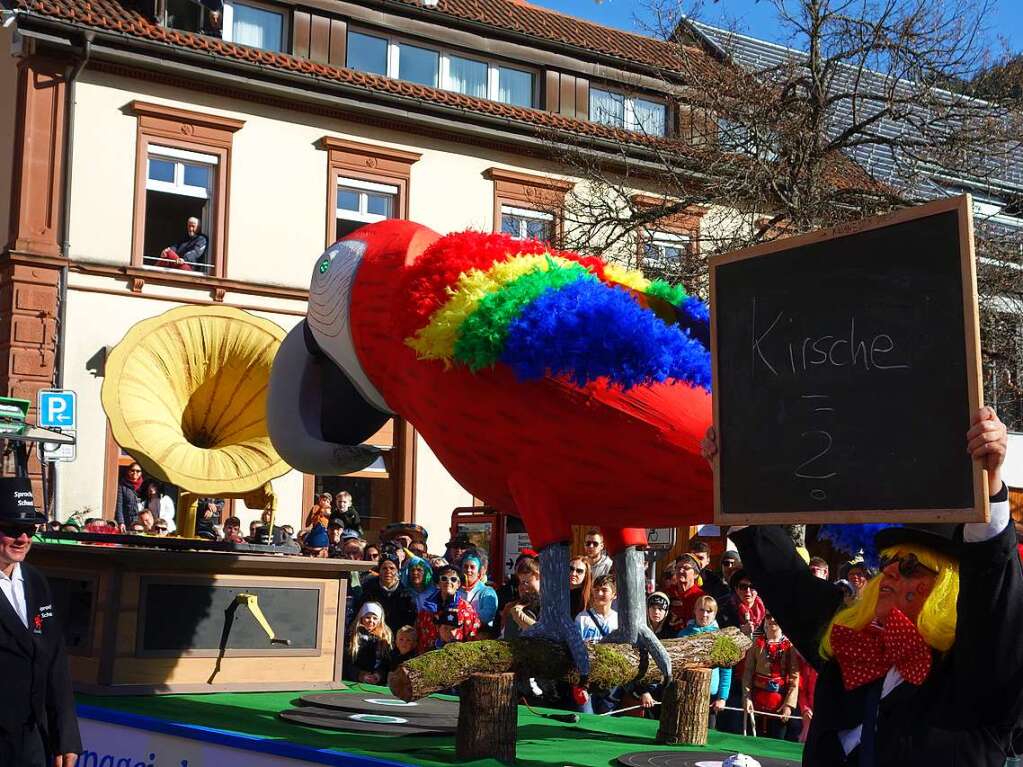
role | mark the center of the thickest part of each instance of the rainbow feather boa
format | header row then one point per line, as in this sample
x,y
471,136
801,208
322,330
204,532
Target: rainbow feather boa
x,y
482,299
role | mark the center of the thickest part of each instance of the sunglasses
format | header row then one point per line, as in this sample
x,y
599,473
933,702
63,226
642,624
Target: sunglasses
x,y
909,565
580,570
746,587
15,531
449,579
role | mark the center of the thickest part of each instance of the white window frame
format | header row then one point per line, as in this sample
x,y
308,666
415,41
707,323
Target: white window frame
x,y
444,66
664,240
526,214
180,158
629,110
227,22
361,186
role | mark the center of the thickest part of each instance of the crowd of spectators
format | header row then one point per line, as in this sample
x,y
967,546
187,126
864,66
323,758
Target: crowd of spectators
x,y
426,601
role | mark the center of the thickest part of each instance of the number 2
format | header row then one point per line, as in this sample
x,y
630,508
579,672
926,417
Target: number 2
x,y
806,464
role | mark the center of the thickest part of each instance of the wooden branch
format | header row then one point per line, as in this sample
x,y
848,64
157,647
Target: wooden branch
x,y
487,719
611,665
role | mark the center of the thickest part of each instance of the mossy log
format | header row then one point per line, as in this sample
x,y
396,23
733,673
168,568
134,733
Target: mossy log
x,y
611,665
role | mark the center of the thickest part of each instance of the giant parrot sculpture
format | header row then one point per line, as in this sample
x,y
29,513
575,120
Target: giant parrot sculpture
x,y
553,386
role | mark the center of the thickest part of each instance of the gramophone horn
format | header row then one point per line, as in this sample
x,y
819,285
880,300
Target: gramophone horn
x,y
186,396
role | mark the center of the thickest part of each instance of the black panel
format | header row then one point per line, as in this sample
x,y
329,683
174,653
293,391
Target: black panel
x,y
72,605
842,374
186,616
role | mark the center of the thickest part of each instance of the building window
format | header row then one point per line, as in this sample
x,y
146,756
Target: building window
x,y
363,202
664,252
527,206
438,68
367,53
253,25
628,112
367,184
179,187
527,224
182,173
736,137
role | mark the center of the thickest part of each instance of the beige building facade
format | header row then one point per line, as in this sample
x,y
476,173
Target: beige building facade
x,y
124,127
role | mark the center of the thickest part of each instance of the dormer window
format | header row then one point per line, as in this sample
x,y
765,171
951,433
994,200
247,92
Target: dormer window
x,y
259,26
440,68
633,113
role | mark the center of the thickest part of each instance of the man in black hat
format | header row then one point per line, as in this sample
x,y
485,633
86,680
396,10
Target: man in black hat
x,y
38,724
926,667
386,589
456,548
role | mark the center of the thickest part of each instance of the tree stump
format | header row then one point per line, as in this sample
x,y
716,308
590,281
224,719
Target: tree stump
x,y
488,718
685,708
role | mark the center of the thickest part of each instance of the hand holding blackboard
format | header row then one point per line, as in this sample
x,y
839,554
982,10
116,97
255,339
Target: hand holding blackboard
x,y
820,343
987,441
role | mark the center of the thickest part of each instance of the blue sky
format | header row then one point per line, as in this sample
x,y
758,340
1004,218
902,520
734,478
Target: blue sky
x,y
758,18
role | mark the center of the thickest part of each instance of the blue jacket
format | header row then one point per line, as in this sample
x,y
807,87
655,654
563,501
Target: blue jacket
x,y
720,678
484,599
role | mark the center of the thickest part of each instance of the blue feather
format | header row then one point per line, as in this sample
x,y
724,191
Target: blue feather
x,y
852,539
586,330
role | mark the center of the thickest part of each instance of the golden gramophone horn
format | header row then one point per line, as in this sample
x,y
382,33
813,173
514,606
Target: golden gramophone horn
x,y
185,393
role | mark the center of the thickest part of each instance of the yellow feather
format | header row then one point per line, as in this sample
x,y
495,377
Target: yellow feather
x,y
436,340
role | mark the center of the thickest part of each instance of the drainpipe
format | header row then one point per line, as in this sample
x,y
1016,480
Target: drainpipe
x,y
65,245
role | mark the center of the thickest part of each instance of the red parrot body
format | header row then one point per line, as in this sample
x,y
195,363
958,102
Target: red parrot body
x,y
554,452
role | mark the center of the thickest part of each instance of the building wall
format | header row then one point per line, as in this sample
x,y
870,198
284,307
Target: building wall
x,y
278,211
8,97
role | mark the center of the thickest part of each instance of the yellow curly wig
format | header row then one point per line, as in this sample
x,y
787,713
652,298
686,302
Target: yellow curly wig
x,y
937,620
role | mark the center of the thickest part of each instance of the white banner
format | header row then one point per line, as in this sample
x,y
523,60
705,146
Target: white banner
x,y
117,745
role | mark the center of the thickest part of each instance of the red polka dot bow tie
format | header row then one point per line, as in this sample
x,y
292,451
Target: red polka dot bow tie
x,y
866,655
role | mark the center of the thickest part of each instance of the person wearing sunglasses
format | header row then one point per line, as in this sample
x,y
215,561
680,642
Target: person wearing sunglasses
x,y
595,553
925,667
452,606
38,723
129,497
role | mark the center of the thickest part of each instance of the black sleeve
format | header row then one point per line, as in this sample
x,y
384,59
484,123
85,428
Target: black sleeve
x,y
118,509
195,250
803,604
988,651
65,737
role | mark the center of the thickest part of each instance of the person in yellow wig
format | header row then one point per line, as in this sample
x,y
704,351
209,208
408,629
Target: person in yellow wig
x,y
926,667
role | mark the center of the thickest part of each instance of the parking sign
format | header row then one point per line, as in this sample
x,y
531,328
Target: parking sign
x,y
57,409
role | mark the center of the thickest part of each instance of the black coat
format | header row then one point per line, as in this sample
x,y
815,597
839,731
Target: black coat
x,y
127,509
399,605
35,675
966,709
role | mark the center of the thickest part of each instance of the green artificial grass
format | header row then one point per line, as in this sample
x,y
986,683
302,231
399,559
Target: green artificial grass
x,y
594,742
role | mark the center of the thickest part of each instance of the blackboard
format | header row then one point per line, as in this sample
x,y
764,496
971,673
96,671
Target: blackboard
x,y
192,617
846,369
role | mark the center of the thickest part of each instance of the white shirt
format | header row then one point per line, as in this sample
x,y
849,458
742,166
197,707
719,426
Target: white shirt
x,y
13,588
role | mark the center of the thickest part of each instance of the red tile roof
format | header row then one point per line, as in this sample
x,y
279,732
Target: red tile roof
x,y
113,16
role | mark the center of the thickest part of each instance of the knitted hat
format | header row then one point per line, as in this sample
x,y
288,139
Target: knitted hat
x,y
370,608
658,599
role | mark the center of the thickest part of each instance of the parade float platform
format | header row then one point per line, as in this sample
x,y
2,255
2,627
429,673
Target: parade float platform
x,y
144,616
228,729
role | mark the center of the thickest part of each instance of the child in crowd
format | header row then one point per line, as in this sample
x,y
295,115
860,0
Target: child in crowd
x,y
657,605
770,682
705,613
369,646
595,623
404,647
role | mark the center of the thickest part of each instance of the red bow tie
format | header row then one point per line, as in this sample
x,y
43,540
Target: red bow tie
x,y
866,655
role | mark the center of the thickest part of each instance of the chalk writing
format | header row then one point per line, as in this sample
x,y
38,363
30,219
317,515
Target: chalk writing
x,y
776,354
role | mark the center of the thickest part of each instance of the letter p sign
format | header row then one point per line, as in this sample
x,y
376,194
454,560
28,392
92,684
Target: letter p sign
x,y
58,409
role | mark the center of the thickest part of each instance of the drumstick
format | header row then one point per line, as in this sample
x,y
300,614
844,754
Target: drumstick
x,y
621,710
760,713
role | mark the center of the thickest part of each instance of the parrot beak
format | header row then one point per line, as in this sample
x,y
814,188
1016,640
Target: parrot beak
x,y
321,405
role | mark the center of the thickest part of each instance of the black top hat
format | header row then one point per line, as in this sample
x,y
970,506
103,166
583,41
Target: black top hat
x,y
940,538
460,541
17,505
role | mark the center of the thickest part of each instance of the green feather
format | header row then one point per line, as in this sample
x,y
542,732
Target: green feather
x,y
673,294
482,335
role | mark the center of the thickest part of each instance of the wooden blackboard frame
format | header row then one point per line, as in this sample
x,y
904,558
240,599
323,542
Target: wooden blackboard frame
x,y
963,206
